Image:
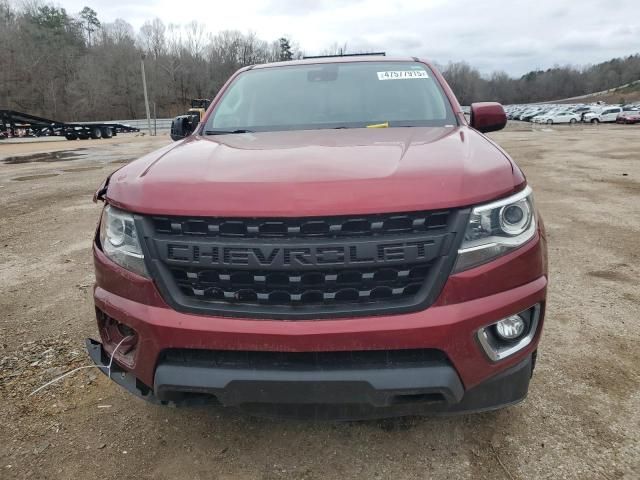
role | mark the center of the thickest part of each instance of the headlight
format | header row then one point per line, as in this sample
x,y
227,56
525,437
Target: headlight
x,y
497,228
119,240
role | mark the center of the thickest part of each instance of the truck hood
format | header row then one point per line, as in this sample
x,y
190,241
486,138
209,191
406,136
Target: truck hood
x,y
316,172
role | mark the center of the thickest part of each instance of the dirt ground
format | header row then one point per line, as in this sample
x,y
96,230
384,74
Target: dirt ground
x,y
580,421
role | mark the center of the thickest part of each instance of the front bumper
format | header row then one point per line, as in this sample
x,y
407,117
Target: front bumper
x,y
468,381
433,389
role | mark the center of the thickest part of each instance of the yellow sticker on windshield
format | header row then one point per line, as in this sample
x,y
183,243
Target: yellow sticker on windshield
x,y
402,75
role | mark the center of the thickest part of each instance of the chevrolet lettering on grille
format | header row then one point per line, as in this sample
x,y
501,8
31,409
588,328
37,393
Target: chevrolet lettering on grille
x,y
303,255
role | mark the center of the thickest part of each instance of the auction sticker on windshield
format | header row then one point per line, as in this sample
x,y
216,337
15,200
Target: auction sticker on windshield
x,y
402,75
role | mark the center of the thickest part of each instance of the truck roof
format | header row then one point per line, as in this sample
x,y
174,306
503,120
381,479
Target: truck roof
x,y
338,59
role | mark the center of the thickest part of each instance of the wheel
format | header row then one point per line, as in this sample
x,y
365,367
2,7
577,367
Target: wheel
x,y
572,121
96,133
71,136
83,136
595,120
107,132
549,122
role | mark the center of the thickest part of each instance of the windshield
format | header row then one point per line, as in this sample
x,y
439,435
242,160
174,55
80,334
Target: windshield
x,y
336,95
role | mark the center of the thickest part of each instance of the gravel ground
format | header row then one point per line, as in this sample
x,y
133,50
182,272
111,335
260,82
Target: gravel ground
x,y
581,419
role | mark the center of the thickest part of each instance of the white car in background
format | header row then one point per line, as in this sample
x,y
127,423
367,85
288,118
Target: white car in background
x,y
541,117
560,117
557,116
608,114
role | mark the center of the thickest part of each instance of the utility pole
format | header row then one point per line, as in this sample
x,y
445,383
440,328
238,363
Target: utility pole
x,y
146,99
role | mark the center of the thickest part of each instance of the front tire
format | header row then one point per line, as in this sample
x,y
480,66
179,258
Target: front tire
x,y
595,120
549,122
573,121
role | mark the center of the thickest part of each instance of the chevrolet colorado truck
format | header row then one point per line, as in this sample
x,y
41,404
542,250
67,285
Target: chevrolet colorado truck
x,y
336,240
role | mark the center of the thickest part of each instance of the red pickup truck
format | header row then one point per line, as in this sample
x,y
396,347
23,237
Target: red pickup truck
x,y
335,239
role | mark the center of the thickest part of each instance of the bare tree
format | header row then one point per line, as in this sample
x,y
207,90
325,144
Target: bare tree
x,y
152,37
195,37
335,49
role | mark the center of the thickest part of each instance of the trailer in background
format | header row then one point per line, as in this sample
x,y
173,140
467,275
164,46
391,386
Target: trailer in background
x,y
20,124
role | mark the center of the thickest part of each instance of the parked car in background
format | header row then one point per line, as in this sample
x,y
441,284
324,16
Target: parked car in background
x,y
560,117
608,114
528,115
540,117
592,109
593,112
581,111
546,113
628,117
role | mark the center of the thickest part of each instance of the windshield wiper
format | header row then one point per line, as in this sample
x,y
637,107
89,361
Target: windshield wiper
x,y
226,132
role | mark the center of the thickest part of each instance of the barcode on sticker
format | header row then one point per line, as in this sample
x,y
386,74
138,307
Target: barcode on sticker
x,y
402,75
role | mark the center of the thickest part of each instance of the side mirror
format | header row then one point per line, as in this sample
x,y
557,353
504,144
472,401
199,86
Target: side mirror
x,y
487,116
183,126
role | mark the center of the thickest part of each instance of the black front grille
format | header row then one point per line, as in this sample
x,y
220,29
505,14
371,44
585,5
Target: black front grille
x,y
313,227
301,288
300,268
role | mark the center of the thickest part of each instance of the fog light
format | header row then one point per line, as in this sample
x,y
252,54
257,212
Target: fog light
x,y
510,328
511,334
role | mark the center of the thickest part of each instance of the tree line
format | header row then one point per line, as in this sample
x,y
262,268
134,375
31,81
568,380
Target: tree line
x,y
541,85
75,67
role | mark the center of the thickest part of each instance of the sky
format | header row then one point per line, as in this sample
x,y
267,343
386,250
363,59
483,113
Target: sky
x,y
515,36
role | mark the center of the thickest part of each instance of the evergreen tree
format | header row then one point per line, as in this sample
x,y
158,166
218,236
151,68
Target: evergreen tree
x,y
285,49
